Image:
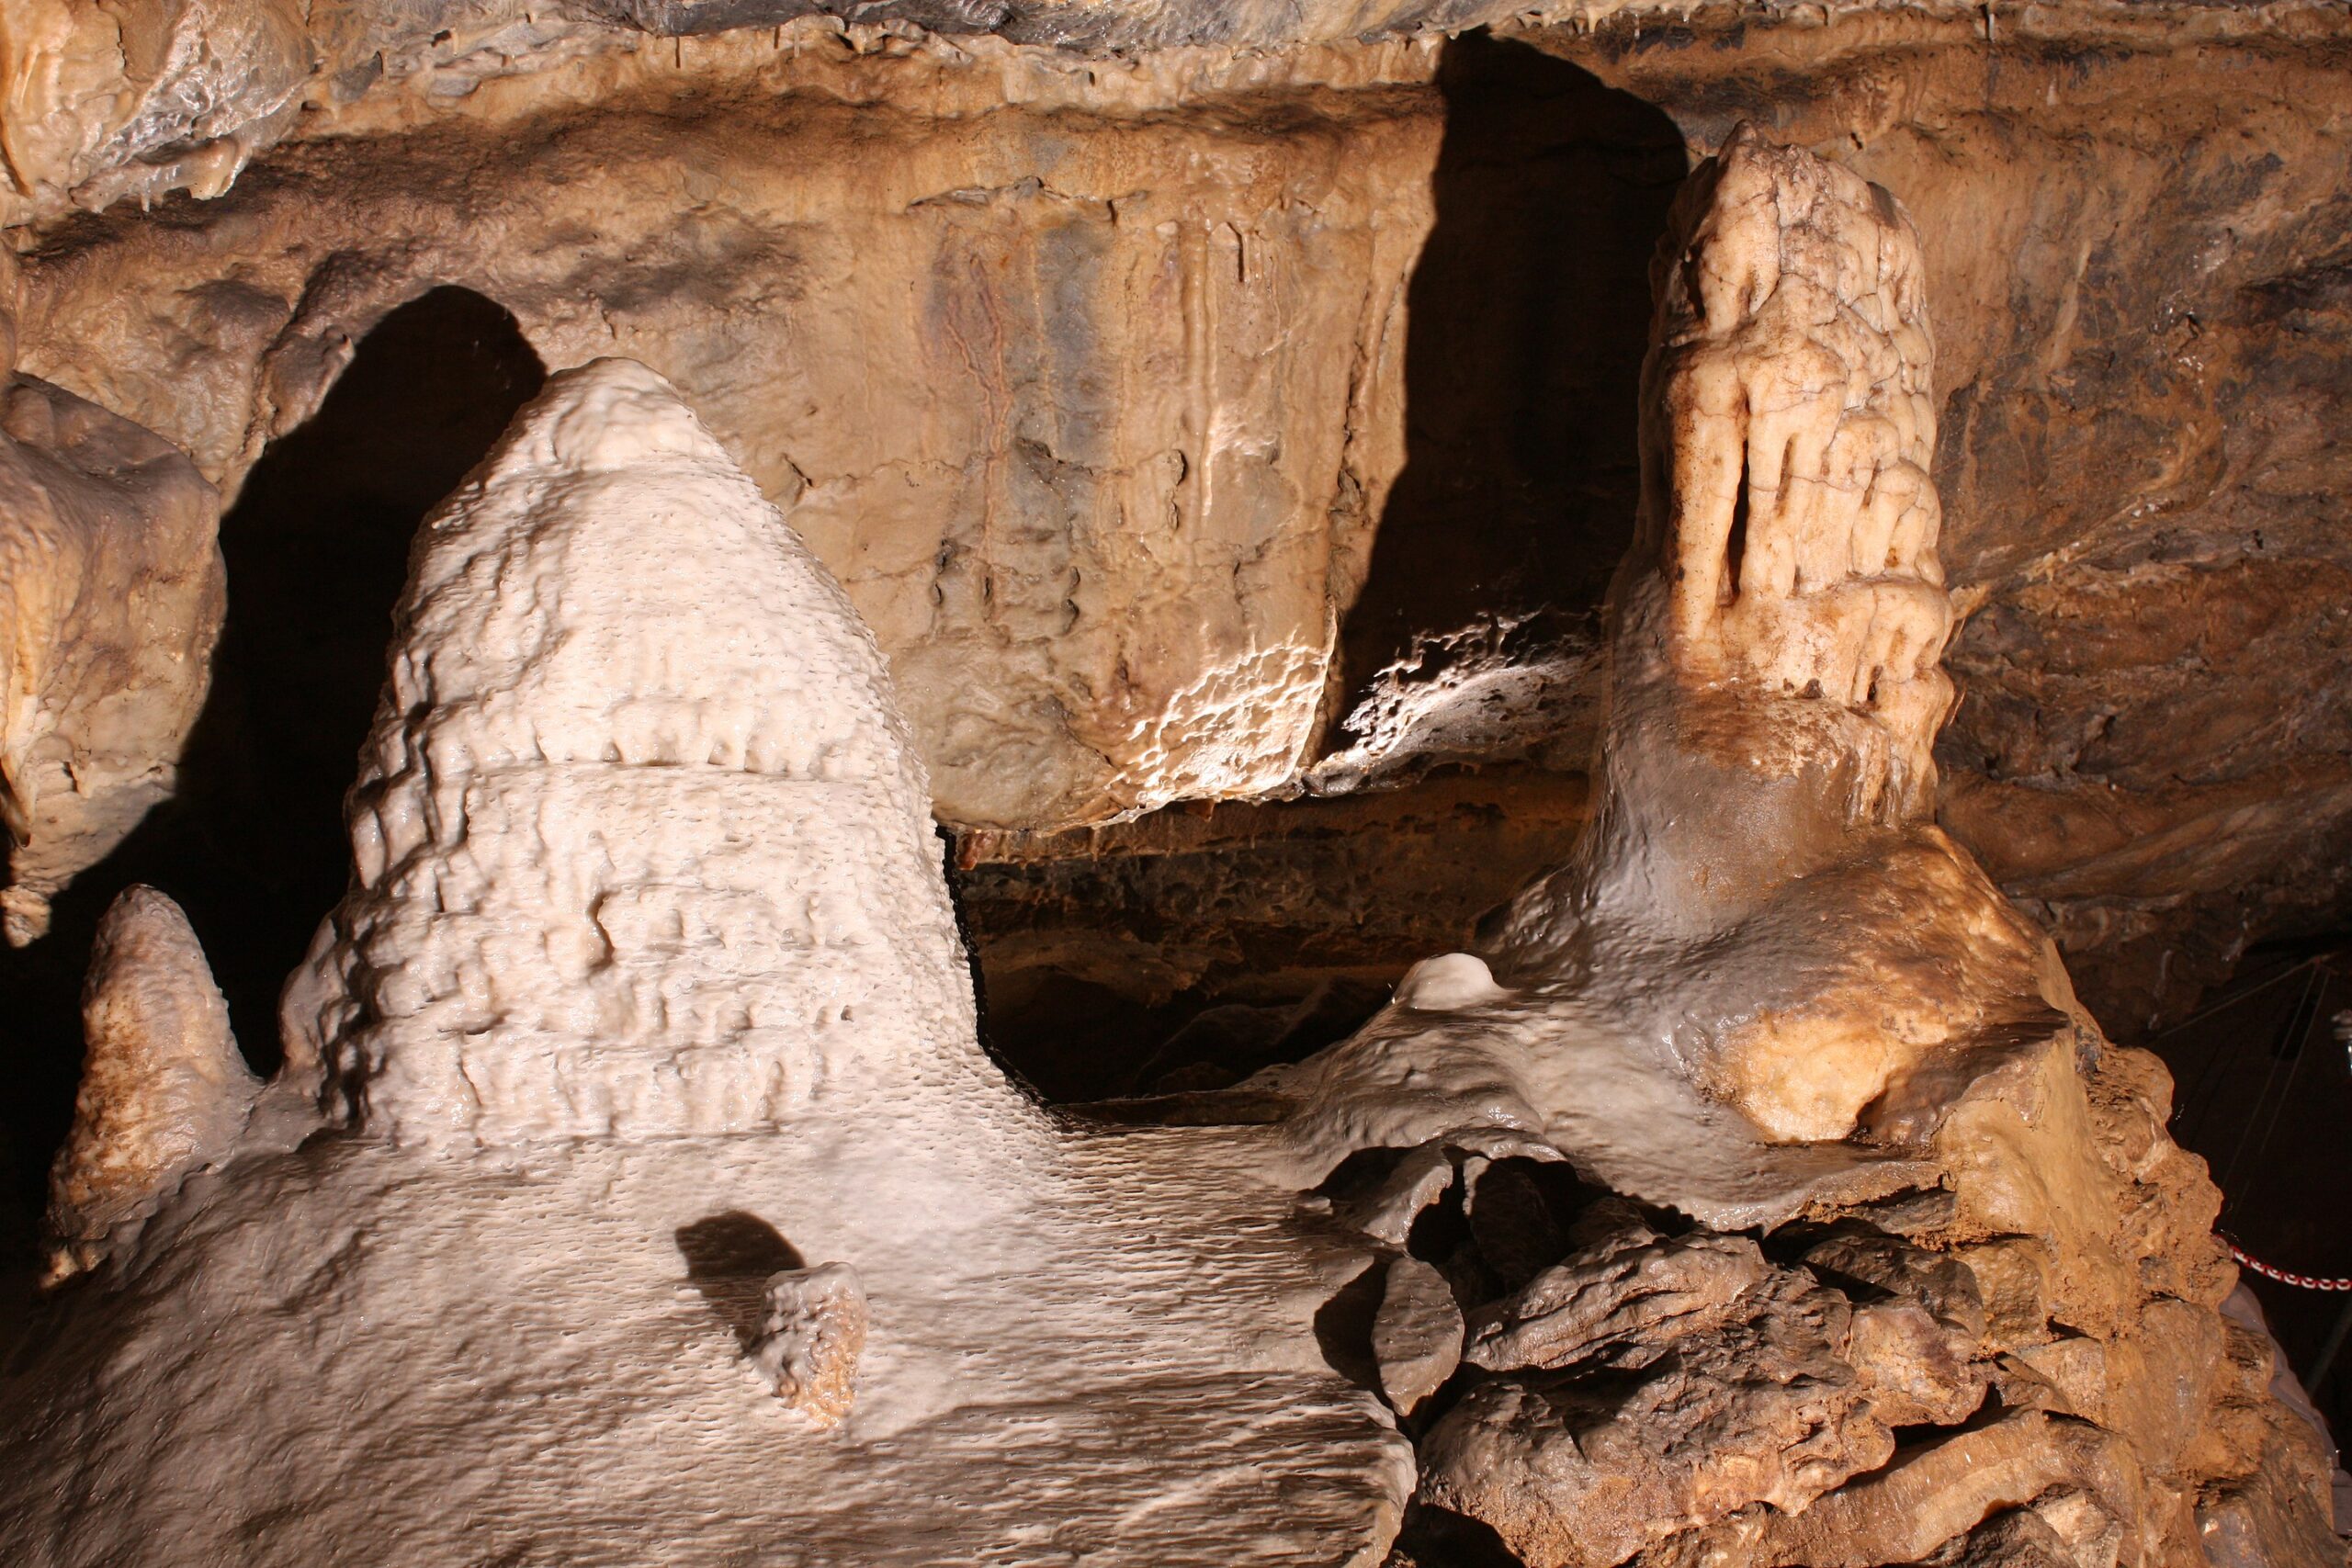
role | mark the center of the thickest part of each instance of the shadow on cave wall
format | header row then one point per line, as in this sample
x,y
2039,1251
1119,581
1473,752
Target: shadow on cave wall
x,y
1528,313
1527,318
317,550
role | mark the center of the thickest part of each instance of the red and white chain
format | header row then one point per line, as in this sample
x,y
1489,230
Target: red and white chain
x,y
2303,1281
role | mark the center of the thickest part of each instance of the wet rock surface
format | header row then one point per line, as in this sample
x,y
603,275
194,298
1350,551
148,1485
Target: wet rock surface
x,y
110,605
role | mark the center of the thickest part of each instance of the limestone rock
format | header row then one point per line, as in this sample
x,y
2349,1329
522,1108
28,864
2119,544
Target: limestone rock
x,y
1941,1284
2018,1539
1919,1371
1927,1498
165,1092
1416,1334
1621,1302
1444,983
1037,453
1756,1406
810,1340
111,597
1385,1210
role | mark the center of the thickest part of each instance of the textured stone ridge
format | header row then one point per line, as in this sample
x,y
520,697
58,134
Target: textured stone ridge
x,y
642,848
111,597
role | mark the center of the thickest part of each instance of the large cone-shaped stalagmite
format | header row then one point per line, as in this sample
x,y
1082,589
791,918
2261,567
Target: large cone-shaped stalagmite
x,y
642,846
682,1219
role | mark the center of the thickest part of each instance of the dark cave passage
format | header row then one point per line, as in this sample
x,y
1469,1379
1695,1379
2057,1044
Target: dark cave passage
x,y
317,552
2261,1089
317,549
1527,318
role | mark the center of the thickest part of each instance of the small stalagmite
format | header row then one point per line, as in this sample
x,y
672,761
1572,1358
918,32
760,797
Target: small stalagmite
x,y
165,1090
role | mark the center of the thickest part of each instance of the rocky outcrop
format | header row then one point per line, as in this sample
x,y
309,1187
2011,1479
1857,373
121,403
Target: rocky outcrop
x,y
111,597
1101,587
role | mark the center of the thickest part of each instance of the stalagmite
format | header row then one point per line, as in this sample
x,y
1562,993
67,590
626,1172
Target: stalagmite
x,y
642,846
165,1092
111,597
1767,993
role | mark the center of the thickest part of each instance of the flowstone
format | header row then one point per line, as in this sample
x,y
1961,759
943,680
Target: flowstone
x,y
650,936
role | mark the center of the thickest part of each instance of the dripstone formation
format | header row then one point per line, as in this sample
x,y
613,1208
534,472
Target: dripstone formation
x,y
647,944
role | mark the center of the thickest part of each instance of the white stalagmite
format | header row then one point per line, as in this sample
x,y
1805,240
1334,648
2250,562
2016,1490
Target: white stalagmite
x,y
642,846
649,934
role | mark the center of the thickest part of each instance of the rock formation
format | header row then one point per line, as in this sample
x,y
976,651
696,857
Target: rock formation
x,y
165,1092
649,933
642,846
110,603
1254,246
1769,995
1181,449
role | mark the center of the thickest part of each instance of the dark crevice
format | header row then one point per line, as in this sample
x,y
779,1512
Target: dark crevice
x,y
1528,317
317,550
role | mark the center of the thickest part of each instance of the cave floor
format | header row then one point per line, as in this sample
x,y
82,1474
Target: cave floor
x,y
1112,1357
